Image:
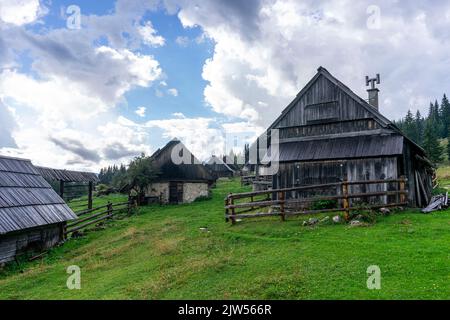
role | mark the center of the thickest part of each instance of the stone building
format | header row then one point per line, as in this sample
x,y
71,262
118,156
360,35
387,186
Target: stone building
x,y
182,178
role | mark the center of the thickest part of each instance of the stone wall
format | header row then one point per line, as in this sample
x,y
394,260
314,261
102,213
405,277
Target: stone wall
x,y
158,188
192,191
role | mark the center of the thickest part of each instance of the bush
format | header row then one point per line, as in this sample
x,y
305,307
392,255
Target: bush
x,y
324,204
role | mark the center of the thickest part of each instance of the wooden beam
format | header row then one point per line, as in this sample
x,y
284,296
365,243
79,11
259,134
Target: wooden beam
x,y
91,189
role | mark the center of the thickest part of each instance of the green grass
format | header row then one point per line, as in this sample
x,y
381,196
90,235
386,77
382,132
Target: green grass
x,y
161,253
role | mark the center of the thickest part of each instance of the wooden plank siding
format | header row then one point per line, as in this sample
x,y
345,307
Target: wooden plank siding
x,y
328,134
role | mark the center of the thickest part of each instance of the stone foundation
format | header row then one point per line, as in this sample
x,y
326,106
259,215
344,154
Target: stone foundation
x,y
191,191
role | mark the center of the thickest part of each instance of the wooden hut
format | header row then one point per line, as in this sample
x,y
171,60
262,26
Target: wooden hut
x,y
32,214
220,168
182,177
71,184
328,134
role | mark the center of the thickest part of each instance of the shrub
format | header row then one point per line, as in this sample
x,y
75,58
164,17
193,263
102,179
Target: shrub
x,y
323,204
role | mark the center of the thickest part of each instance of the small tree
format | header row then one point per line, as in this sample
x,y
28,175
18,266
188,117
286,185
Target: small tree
x,y
431,143
139,175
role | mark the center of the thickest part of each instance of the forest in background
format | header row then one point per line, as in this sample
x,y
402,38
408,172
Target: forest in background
x,y
431,132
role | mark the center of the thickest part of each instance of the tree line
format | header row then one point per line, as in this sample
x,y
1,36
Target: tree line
x,y
427,130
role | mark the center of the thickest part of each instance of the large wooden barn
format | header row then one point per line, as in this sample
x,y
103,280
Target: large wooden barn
x,y
328,134
32,214
182,178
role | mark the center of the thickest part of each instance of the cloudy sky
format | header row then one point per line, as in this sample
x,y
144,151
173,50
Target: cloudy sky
x,y
84,84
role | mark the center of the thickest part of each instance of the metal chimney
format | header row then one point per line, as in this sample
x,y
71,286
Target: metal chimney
x,y
373,92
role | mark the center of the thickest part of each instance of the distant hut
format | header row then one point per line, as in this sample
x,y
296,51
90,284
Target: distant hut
x,y
71,184
328,134
182,178
220,168
32,214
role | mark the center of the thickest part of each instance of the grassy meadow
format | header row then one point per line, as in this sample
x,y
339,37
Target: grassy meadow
x,y
163,252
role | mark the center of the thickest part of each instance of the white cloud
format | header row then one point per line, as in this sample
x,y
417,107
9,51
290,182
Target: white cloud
x,y
66,109
140,111
182,41
179,115
149,36
265,51
173,92
64,130
198,134
20,12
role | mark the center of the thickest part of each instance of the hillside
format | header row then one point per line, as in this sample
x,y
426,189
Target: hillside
x,y
161,253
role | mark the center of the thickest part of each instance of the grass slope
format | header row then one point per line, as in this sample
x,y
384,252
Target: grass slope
x,y
161,253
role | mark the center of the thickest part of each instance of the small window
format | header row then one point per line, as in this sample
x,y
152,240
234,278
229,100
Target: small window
x,y
322,112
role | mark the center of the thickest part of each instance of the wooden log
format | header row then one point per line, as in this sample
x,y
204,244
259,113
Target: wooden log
x,y
87,218
349,196
282,199
233,213
87,224
81,213
309,187
110,210
226,208
305,212
402,189
345,201
422,188
90,191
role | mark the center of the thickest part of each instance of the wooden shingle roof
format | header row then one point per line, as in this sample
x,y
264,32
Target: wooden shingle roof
x,y
341,148
191,170
51,174
26,199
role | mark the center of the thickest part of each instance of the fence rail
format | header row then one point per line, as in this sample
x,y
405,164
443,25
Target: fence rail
x,y
248,180
279,203
95,215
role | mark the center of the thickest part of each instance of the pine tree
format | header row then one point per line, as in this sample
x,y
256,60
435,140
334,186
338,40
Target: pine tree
x,y
419,123
409,126
445,114
431,143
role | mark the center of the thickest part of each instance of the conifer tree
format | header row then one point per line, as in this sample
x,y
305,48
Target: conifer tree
x,y
431,143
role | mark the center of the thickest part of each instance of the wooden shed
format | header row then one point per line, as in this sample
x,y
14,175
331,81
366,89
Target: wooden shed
x,y
328,134
182,177
220,168
71,184
32,214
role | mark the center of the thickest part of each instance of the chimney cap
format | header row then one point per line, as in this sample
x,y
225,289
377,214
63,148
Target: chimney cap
x,y
373,81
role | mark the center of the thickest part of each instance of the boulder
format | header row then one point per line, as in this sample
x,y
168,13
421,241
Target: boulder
x,y
337,219
325,219
313,221
355,223
385,211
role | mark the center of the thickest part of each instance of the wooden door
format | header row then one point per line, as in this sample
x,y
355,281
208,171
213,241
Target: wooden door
x,y
175,192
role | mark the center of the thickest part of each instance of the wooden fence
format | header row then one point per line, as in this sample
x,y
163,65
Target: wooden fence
x,y
95,215
279,204
248,180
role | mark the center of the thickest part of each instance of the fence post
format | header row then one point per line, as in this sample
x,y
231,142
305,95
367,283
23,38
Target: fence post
x,y
281,198
110,210
64,231
345,201
402,189
226,209
91,189
233,213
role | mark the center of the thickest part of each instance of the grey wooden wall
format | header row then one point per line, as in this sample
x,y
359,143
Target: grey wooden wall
x,y
16,242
